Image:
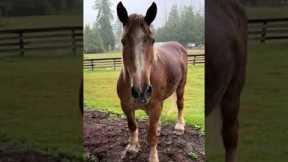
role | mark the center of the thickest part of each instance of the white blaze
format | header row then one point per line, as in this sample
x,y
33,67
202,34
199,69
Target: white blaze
x,y
139,52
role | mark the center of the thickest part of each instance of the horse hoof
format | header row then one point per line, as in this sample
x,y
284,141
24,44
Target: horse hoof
x,y
133,148
153,158
179,129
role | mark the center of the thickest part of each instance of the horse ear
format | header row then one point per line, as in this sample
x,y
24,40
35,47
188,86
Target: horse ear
x,y
122,13
151,13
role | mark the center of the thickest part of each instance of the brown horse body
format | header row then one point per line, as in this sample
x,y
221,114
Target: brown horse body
x,y
226,50
167,74
150,75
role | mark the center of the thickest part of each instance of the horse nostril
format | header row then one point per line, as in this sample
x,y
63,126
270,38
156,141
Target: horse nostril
x,y
135,92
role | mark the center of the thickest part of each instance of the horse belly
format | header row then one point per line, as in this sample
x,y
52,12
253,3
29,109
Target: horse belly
x,y
173,81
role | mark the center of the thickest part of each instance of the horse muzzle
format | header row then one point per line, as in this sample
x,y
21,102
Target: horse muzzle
x,y
141,96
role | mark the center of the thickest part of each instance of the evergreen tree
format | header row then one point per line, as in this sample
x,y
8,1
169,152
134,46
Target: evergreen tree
x,y
104,18
184,26
92,40
118,33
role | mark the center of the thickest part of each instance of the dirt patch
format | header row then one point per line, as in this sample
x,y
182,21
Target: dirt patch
x,y
106,138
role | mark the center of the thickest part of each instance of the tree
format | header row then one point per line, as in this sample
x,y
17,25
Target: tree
x,y
173,19
104,18
118,32
92,40
169,31
184,26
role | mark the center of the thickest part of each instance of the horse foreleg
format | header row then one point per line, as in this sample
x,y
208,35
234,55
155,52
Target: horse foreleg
x,y
154,117
230,108
159,123
180,125
133,145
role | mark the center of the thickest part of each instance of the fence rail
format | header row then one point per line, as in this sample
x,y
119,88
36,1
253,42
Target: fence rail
x,y
268,29
23,40
114,63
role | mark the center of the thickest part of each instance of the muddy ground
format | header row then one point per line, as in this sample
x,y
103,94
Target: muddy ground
x,y
106,138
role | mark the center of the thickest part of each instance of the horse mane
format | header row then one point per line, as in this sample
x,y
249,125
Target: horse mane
x,y
138,20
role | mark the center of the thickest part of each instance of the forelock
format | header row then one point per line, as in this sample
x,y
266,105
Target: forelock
x,y
135,22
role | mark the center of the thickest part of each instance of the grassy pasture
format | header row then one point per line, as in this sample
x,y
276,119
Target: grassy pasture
x,y
100,94
263,111
263,128
39,103
264,105
39,94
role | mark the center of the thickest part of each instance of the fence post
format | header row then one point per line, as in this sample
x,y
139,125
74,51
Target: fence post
x,y
21,43
263,34
92,65
73,42
114,64
194,60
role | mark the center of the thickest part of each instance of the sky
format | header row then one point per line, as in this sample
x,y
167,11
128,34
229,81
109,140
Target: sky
x,y
140,7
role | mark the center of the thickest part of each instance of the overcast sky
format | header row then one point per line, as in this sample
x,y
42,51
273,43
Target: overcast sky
x,y
141,6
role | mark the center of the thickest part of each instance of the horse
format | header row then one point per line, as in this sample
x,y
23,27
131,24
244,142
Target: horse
x,y
149,75
226,52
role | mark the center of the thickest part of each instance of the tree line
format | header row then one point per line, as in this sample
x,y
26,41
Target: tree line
x,y
100,37
183,25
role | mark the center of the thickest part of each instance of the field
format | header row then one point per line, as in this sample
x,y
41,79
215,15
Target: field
x,y
263,112
264,104
39,105
40,117
100,94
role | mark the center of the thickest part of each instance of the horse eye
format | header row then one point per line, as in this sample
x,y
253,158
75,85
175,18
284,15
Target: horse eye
x,y
145,39
150,40
123,41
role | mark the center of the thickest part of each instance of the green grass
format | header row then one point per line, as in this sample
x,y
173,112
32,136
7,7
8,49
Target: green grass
x,y
100,94
115,54
39,93
39,103
263,111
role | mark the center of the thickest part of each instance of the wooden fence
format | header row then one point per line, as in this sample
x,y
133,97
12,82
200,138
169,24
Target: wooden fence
x,y
114,63
268,29
24,40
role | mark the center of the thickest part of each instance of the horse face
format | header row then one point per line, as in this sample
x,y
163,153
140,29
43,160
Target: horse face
x,y
138,54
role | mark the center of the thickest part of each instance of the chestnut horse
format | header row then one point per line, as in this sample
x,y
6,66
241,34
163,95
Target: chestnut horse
x,y
226,50
149,76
